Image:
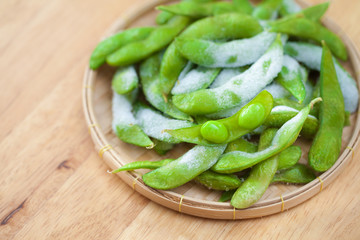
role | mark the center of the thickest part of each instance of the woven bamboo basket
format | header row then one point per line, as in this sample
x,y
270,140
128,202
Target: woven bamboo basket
x,y
191,198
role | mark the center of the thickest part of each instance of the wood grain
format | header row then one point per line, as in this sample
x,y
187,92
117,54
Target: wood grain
x,y
52,183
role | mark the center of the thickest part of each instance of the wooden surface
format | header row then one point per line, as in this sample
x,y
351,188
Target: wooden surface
x,y
53,184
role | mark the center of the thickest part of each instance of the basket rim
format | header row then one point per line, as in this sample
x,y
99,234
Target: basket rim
x,y
205,208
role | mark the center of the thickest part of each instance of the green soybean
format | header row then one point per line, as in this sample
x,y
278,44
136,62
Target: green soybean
x,y
152,88
193,134
289,157
289,7
297,174
267,9
234,53
143,165
214,131
290,78
157,40
198,10
244,6
218,181
227,195
184,169
111,44
313,13
254,187
224,26
154,124
125,80
305,28
236,161
326,146
281,114
124,123
163,17
241,144
238,90
162,147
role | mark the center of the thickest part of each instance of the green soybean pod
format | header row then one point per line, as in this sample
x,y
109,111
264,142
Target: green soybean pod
x,y
313,13
184,169
124,123
289,157
111,44
267,9
305,28
163,17
198,10
290,78
244,6
297,174
157,40
254,187
224,26
227,195
289,7
143,165
326,146
152,88
162,147
244,121
218,181
239,89
241,144
236,161
281,114
125,80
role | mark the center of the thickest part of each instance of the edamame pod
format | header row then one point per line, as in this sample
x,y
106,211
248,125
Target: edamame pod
x,y
143,165
196,79
157,40
154,124
310,55
225,75
289,157
244,6
163,17
111,44
236,161
267,9
224,26
305,28
289,7
184,169
124,123
152,88
241,144
297,174
236,91
235,53
290,78
162,147
227,195
198,10
260,176
235,125
326,146
218,181
313,13
125,80
281,114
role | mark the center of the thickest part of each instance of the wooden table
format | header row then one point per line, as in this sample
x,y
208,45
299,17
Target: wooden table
x,y
53,184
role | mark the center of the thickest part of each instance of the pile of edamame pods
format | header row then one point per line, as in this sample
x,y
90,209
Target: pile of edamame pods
x,y
222,75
